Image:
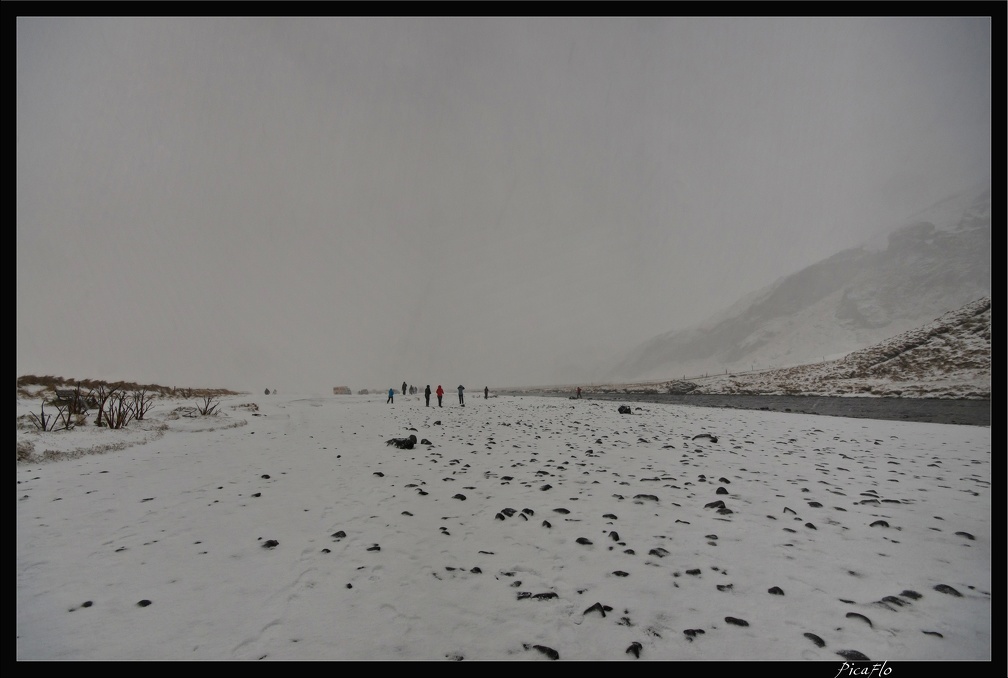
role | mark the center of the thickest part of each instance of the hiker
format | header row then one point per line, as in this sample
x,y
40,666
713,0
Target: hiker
x,y
461,399
579,392
391,392
440,392
426,395
486,392
404,388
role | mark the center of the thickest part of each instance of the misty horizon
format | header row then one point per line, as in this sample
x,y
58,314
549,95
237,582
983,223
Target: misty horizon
x,y
308,202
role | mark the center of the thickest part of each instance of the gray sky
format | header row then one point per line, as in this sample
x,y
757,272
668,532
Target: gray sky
x,y
301,203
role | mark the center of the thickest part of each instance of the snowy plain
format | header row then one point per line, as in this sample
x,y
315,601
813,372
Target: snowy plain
x,y
284,527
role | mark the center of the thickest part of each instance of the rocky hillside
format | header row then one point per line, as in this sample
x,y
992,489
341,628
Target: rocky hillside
x,y
939,260
947,358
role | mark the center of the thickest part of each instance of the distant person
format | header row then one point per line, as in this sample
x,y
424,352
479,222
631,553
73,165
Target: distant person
x,y
579,392
391,392
440,394
404,388
426,395
486,392
461,399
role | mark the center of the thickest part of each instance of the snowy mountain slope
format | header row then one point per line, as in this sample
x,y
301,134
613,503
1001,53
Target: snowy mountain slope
x,y
936,262
949,357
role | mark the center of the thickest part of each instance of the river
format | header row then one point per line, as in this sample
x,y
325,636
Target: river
x,y
929,410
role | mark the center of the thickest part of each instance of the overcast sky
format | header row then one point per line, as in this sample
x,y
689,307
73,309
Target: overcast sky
x,y
233,202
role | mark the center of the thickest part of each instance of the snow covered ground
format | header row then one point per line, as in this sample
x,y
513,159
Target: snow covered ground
x,y
516,528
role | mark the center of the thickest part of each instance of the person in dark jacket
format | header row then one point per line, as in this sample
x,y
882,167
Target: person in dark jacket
x,y
461,399
426,395
486,392
391,392
404,388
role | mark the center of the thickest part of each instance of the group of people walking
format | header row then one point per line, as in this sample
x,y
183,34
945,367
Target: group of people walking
x,y
439,393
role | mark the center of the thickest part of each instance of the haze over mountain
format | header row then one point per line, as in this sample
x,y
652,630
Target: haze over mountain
x,y
936,262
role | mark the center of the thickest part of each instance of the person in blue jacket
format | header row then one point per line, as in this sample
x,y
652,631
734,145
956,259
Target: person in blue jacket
x,y
391,392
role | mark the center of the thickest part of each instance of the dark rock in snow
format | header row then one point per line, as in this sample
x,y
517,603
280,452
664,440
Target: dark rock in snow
x,y
548,651
945,588
819,642
403,443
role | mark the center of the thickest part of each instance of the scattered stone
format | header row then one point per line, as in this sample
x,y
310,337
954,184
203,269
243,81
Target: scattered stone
x,y
858,615
819,642
945,588
548,651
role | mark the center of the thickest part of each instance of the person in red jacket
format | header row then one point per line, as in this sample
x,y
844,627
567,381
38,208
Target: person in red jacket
x,y
440,393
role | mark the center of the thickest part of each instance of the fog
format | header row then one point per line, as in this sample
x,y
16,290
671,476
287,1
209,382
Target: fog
x,y
233,202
